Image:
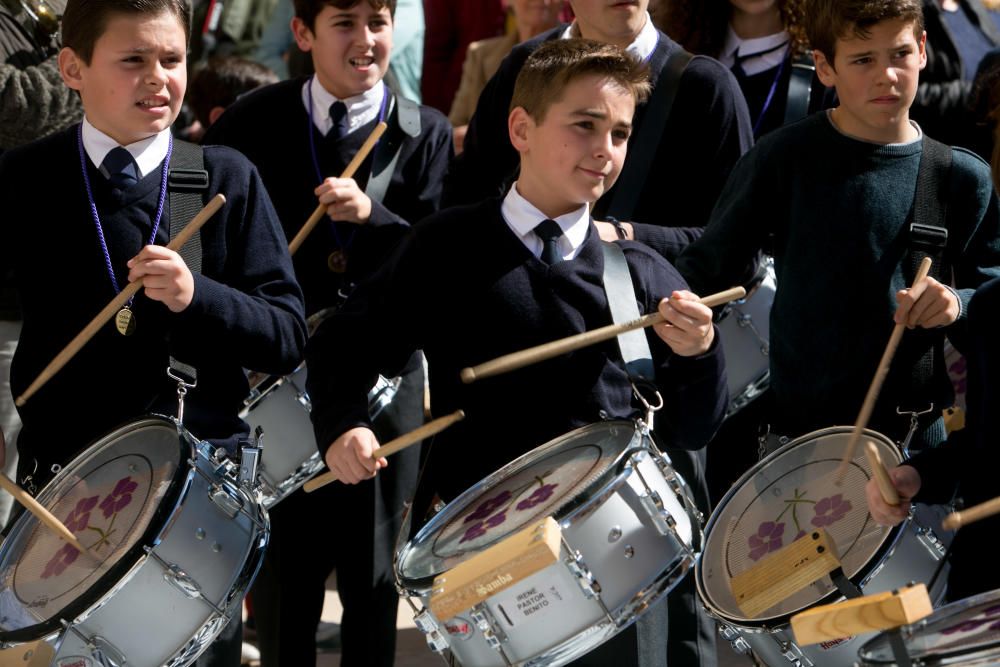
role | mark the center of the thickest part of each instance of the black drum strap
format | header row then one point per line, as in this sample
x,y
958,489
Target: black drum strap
x,y
800,88
187,184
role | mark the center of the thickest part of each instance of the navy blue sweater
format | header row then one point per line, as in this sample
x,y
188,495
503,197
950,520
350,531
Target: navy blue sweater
x,y
463,307
246,313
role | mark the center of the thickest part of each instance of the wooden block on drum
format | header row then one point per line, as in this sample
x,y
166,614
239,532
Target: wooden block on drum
x,y
30,654
499,567
880,611
780,575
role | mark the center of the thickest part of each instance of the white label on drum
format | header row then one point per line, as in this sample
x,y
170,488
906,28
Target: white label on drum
x,y
516,605
74,661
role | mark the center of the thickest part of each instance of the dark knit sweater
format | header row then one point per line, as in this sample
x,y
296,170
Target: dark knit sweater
x,y
281,152
246,311
464,306
708,130
839,210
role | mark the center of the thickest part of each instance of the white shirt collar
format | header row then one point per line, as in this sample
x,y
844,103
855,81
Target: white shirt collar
x,y
522,217
736,44
148,153
361,109
642,46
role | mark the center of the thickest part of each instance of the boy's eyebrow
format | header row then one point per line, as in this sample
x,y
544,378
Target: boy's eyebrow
x,y
870,52
598,115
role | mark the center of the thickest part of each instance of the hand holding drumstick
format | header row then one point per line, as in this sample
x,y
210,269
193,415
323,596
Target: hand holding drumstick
x,y
906,481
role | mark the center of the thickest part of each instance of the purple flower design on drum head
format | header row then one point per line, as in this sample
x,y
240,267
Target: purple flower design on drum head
x,y
767,539
830,510
479,529
63,559
119,499
79,518
488,506
539,496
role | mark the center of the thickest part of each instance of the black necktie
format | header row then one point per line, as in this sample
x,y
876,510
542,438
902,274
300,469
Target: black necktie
x,y
549,231
120,168
338,120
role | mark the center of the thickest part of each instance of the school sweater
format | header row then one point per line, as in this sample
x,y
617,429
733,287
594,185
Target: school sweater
x,y
463,307
708,130
839,210
282,153
246,312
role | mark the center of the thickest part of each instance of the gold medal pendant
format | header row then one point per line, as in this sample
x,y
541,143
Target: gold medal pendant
x,y
125,321
337,261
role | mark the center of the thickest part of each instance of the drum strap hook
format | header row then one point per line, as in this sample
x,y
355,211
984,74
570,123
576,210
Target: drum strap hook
x,y
639,385
186,378
914,422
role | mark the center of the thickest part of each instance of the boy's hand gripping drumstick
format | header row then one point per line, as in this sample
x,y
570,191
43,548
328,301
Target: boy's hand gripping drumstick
x,y
116,304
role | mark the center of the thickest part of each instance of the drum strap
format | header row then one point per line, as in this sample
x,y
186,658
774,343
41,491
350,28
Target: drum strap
x,y
404,120
187,183
800,87
621,302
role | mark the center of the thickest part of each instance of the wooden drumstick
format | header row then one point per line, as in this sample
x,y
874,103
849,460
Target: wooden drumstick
x,y
394,446
320,211
876,386
533,355
956,520
885,485
42,514
116,304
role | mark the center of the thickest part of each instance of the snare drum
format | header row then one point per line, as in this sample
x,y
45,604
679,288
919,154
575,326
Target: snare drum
x,y
177,542
744,332
630,531
787,494
966,633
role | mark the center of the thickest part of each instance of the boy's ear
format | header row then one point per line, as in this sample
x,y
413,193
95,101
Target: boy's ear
x,y
923,49
303,34
518,125
824,69
69,68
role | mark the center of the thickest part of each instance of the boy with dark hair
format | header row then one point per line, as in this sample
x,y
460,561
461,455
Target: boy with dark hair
x,y
532,273
109,226
838,192
318,124
220,81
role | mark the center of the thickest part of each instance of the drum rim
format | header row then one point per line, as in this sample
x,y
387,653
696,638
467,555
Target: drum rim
x,y
612,476
861,577
940,657
96,592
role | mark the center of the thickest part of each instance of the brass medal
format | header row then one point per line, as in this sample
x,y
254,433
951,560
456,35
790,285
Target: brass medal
x,y
337,261
125,321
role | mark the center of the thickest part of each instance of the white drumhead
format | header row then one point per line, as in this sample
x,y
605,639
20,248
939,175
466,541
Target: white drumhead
x,y
964,632
108,497
550,480
793,491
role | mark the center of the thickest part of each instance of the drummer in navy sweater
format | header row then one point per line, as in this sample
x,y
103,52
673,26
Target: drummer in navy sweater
x,y
465,299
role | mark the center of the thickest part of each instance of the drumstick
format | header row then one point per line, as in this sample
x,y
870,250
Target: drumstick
x,y
876,386
396,445
956,520
317,215
116,304
532,355
882,478
42,514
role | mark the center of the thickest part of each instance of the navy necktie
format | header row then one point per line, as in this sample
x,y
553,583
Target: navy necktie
x,y
549,231
338,120
120,168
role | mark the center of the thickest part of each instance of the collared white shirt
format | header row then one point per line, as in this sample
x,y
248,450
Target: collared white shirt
x,y
361,109
642,46
148,153
522,217
754,65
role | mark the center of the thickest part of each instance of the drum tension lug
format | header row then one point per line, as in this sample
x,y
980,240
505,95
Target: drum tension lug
x,y
491,631
432,633
249,460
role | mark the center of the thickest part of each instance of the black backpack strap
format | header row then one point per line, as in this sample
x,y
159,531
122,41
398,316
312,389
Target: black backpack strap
x,y
800,87
404,121
621,302
644,143
187,184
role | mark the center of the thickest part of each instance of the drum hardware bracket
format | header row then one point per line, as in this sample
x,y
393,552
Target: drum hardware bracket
x,y
735,639
844,585
183,385
102,651
650,408
486,623
914,420
427,625
653,503
584,577
250,459
182,581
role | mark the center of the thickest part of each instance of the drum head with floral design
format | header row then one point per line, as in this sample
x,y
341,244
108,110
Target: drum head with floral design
x,y
547,481
788,494
107,497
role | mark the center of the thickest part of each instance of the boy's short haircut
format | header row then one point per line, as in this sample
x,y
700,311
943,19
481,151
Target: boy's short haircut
x,y
84,21
221,80
559,62
830,20
308,10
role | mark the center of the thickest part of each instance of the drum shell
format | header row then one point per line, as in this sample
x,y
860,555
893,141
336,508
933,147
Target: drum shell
x,y
744,333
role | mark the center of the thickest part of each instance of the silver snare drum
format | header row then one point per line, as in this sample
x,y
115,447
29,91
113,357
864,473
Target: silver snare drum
x,y
630,532
790,492
177,540
744,332
964,633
